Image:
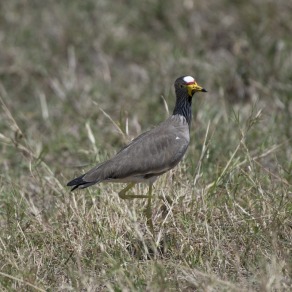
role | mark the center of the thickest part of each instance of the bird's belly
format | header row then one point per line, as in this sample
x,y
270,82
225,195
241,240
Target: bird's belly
x,y
133,179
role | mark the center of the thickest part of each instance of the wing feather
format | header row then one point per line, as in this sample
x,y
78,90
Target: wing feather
x,y
153,152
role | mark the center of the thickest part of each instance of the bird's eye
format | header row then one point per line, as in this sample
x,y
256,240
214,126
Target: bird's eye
x,y
181,86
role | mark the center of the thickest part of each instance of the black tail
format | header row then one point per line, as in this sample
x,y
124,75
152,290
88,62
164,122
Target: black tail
x,y
79,182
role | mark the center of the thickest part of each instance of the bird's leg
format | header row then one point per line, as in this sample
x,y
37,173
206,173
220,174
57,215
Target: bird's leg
x,y
148,210
122,193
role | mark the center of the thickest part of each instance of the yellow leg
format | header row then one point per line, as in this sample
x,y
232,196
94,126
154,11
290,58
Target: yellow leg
x,y
122,193
148,211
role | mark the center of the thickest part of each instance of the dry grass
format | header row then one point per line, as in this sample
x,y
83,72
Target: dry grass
x,y
78,80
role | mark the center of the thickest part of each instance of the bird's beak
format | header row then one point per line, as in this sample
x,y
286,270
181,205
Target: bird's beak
x,y
194,87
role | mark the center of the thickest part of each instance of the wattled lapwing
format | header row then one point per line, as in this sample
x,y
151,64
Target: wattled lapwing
x,y
152,153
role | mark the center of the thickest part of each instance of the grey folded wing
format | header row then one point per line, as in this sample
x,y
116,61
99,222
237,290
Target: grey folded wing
x,y
152,153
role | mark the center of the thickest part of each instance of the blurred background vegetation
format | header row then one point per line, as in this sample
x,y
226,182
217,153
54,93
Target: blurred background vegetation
x,y
63,62
58,57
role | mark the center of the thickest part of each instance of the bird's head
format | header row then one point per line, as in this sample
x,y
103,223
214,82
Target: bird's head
x,y
188,85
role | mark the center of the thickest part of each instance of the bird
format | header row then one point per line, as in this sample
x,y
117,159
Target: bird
x,y
152,153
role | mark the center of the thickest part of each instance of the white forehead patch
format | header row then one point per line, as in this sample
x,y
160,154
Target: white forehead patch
x,y
188,79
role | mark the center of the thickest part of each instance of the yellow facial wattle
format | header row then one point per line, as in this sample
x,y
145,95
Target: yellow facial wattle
x,y
194,87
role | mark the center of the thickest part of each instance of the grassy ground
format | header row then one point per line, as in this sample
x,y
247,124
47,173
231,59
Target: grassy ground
x,y
81,78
